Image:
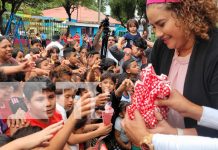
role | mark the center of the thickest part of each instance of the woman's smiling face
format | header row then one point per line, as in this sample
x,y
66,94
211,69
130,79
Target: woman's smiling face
x,y
5,50
166,26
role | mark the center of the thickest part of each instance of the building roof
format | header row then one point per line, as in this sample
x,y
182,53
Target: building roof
x,y
84,15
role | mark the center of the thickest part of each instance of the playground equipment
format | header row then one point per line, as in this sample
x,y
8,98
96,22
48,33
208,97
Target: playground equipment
x,y
19,31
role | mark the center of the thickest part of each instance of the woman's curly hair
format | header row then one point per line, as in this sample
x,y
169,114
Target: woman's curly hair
x,y
197,16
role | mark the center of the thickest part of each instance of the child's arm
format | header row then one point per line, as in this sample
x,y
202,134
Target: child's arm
x,y
120,142
127,83
90,127
91,74
60,139
79,138
97,38
35,139
120,42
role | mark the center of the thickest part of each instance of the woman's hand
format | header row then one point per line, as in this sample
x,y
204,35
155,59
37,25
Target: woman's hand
x,y
26,66
135,129
163,126
182,105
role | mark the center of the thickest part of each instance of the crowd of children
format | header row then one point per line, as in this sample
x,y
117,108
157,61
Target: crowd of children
x,y
35,110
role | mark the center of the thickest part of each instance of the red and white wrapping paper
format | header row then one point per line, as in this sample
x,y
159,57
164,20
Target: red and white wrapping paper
x,y
146,91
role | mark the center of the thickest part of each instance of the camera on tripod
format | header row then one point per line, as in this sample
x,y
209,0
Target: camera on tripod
x,y
105,23
106,32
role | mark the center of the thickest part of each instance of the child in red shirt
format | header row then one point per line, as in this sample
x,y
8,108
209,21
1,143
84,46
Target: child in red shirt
x,y
40,94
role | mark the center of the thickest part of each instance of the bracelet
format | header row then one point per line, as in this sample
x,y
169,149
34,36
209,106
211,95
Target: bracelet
x,y
180,131
146,144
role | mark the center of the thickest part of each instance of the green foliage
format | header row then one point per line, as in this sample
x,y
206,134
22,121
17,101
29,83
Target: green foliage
x,y
34,7
141,7
125,10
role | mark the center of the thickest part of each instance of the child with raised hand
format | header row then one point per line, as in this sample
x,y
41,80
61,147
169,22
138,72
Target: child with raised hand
x,y
125,88
44,137
34,140
131,35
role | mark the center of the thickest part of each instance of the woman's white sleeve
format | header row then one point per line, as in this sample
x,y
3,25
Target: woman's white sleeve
x,y
209,118
174,142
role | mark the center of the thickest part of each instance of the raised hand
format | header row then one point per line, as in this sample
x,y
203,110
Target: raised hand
x,y
135,129
104,129
38,139
101,99
84,106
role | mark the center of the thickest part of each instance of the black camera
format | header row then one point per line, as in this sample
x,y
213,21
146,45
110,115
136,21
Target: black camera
x,y
105,23
106,32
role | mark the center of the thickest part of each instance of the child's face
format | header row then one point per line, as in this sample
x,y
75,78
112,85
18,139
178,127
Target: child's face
x,y
136,51
83,52
19,57
93,59
37,45
133,68
73,58
42,104
122,114
107,85
132,28
83,92
69,95
45,65
54,55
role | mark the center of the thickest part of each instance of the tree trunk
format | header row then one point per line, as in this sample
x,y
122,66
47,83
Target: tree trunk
x,y
122,23
68,27
1,24
3,9
17,6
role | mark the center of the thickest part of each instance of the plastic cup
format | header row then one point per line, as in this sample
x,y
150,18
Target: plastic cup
x,y
106,116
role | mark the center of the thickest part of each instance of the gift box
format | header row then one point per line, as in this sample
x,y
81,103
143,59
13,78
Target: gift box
x,y
148,89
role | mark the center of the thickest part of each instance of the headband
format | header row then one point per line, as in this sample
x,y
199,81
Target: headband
x,y
162,1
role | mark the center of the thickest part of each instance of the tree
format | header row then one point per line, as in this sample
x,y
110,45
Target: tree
x,y
141,7
14,6
2,10
123,11
71,5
